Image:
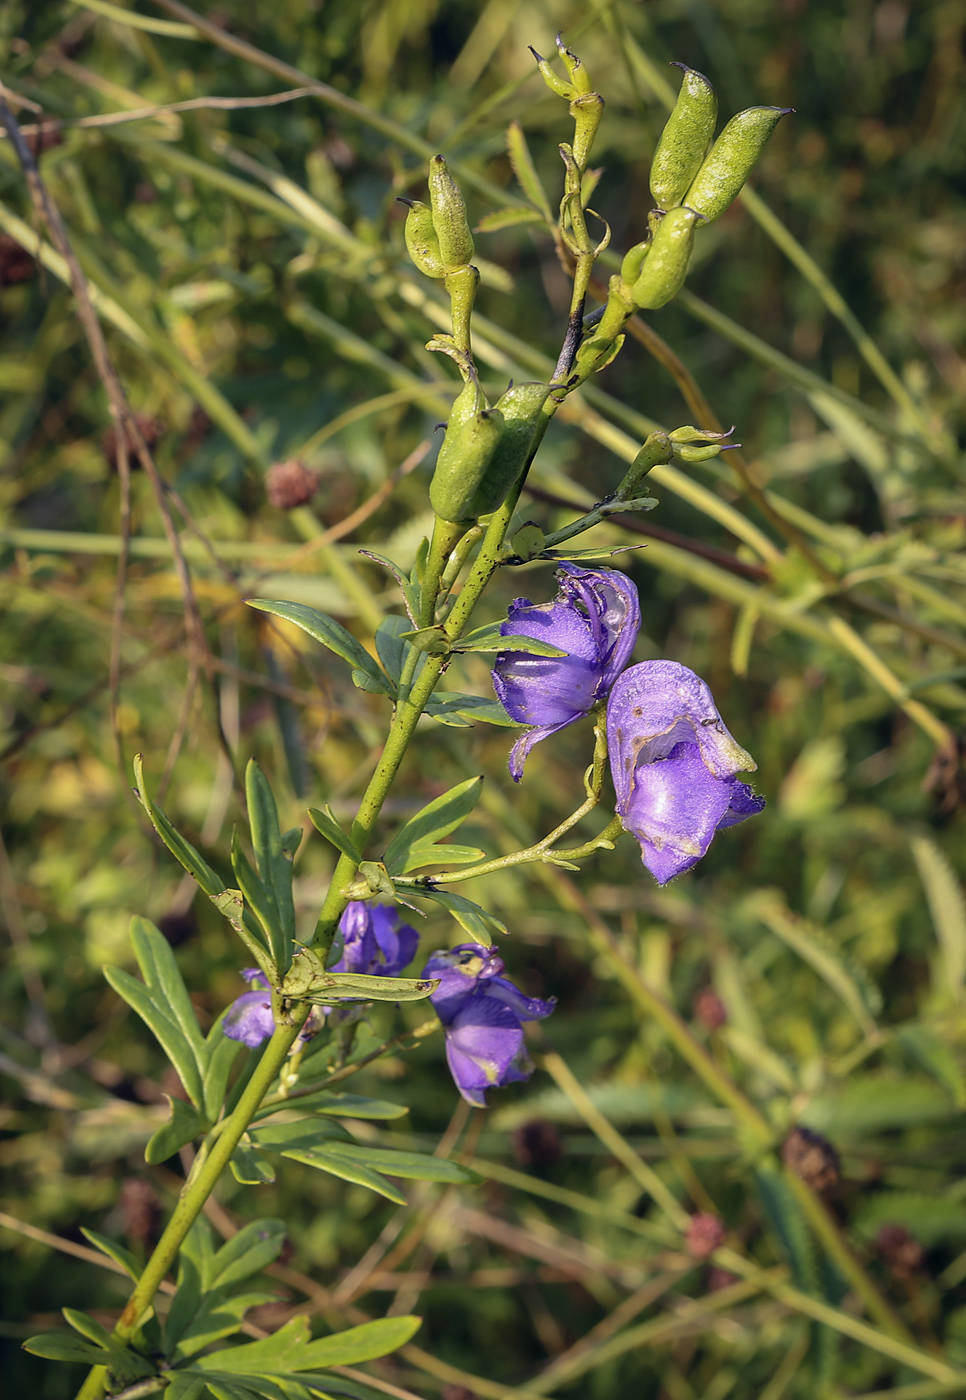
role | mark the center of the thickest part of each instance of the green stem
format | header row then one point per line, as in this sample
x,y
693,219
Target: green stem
x,y
195,1193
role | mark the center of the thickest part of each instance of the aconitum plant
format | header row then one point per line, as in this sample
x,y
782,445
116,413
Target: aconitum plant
x,y
258,1086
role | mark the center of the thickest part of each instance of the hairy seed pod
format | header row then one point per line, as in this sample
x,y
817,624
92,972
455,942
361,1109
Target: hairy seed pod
x,y
666,266
520,406
685,139
462,463
422,244
732,159
449,216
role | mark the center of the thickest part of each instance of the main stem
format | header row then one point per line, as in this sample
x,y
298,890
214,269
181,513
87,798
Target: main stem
x,y
195,1193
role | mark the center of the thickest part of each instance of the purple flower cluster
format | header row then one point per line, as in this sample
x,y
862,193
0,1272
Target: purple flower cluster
x,y
375,942
482,1014
673,762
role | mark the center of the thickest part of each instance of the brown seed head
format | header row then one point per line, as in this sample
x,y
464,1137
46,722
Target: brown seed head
x,y
703,1235
709,1009
812,1157
537,1144
290,484
901,1254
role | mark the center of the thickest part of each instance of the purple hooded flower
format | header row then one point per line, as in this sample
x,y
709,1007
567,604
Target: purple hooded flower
x,y
595,618
674,764
375,943
482,1012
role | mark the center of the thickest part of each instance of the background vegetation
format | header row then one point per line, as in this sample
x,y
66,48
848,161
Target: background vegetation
x,y
250,269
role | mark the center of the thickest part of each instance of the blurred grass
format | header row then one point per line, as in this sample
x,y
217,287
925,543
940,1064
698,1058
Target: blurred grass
x,y
249,267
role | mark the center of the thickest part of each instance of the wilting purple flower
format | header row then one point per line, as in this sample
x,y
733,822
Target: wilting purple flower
x,y
595,619
375,943
674,764
482,1012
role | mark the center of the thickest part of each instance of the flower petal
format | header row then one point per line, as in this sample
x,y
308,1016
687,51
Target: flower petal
x,y
249,1019
483,1046
674,807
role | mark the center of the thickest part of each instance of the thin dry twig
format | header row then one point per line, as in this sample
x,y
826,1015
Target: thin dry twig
x,y
193,104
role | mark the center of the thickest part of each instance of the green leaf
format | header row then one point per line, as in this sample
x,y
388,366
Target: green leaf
x,y
936,1059
114,1251
63,1346
331,634
183,1126
231,905
291,840
346,1106
166,1030
250,1168
508,218
449,707
221,1054
181,849
325,822
185,1387
488,639
253,1248
257,897
410,591
415,1166
306,1142
525,170
415,843
364,1343
274,866
210,1325
274,1353
361,986
947,908
88,1327
432,640
162,977
392,647
477,922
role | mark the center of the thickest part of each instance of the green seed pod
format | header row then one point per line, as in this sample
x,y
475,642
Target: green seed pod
x,y
732,159
422,244
520,408
666,266
685,139
462,463
634,261
449,216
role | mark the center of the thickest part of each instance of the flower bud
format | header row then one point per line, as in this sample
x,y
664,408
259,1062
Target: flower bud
x,y
732,159
655,452
685,139
520,408
462,463
666,265
422,244
449,216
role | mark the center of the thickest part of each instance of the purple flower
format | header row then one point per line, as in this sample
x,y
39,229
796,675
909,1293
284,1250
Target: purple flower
x,y
482,1012
249,1018
595,619
674,763
375,943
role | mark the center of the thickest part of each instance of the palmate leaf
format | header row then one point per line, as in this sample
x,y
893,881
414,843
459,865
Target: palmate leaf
x,y
289,1351
415,844
331,634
